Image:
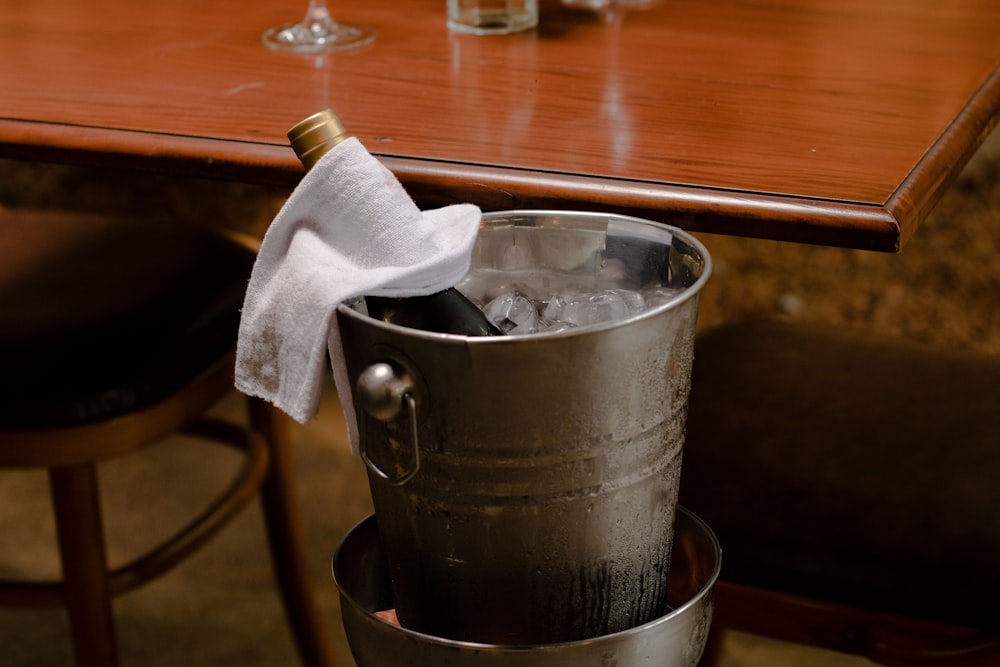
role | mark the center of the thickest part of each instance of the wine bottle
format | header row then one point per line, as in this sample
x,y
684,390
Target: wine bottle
x,y
448,311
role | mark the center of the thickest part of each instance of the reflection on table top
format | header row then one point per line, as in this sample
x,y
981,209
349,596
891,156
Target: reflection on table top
x,y
837,122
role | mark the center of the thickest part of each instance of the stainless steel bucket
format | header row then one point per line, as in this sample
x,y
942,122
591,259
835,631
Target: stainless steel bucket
x,y
525,486
676,639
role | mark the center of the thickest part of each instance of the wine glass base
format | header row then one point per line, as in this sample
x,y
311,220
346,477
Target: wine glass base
x,y
297,37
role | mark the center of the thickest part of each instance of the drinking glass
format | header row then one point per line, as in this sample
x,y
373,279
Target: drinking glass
x,y
492,17
317,32
609,4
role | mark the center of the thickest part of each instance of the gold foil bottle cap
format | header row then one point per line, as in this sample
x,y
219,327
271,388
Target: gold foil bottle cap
x,y
314,136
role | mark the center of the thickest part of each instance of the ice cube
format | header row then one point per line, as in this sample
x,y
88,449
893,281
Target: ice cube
x,y
633,300
553,310
594,308
513,313
549,326
658,295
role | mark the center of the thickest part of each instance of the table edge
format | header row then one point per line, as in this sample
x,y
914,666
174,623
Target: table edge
x,y
860,225
920,191
696,209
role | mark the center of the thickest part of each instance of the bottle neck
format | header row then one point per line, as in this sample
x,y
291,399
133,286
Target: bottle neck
x,y
315,136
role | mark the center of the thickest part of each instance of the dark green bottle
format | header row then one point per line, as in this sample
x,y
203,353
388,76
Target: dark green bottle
x,y
448,311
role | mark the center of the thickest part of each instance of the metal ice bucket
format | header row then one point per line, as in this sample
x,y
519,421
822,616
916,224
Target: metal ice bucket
x,y
526,486
676,639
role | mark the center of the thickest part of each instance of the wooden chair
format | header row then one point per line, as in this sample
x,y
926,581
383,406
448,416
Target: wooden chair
x,y
114,335
854,484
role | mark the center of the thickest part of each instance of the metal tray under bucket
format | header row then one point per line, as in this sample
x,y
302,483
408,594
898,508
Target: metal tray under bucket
x,y
539,472
676,639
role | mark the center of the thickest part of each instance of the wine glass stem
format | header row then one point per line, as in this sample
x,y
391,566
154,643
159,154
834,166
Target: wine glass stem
x,y
317,15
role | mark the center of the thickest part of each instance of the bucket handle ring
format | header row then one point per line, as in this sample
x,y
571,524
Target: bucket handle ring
x,y
384,393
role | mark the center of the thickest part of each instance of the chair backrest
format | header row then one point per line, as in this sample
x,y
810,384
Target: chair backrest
x,y
847,470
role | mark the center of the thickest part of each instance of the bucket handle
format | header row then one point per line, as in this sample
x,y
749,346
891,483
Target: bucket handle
x,y
384,391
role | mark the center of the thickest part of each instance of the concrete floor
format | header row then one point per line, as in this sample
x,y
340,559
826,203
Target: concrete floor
x,y
221,607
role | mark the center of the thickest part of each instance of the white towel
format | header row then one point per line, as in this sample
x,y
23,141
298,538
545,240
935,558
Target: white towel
x,y
348,229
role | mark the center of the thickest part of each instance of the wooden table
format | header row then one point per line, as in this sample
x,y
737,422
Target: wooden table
x,y
834,122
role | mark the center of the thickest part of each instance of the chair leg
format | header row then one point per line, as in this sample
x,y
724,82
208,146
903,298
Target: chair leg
x,y
287,541
77,509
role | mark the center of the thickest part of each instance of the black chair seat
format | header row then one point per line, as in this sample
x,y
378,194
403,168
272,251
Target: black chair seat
x,y
850,468
112,317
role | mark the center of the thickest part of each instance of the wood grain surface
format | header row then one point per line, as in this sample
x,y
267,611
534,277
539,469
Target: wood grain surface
x,y
835,122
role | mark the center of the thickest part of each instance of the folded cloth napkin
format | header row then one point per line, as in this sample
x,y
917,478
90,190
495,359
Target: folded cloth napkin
x,y
348,229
